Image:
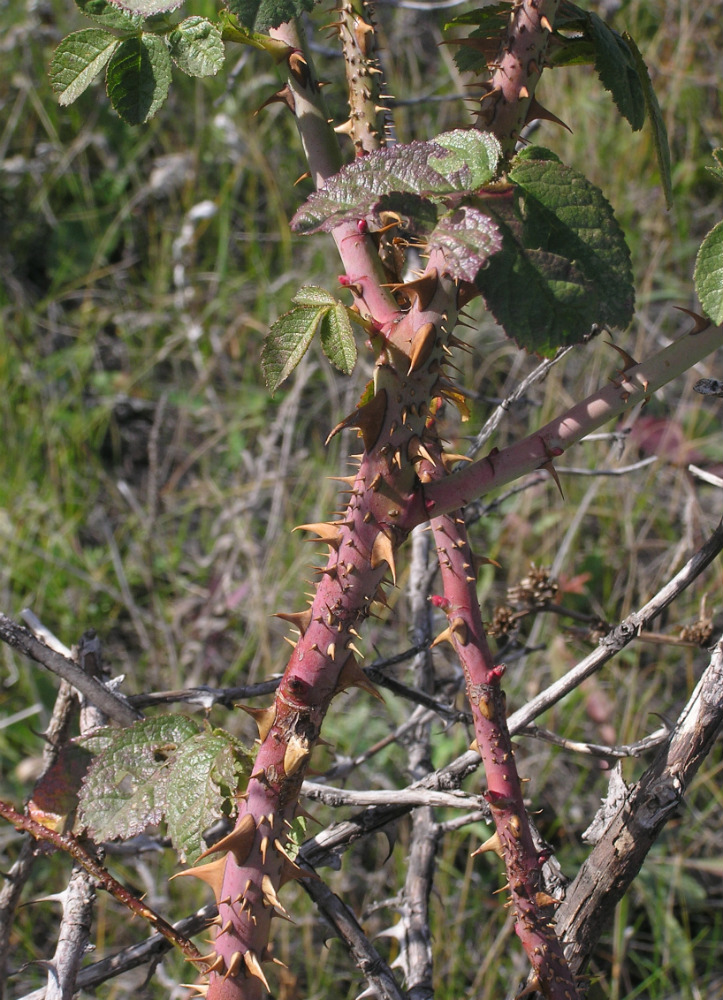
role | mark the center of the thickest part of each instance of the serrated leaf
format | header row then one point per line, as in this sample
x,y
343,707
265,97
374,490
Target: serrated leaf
x,y
196,47
709,273
313,295
204,772
109,15
288,341
615,65
337,339
717,170
454,163
79,58
487,17
660,133
260,15
126,785
468,238
564,264
147,8
138,78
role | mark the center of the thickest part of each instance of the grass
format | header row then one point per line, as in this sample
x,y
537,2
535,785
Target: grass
x,y
148,484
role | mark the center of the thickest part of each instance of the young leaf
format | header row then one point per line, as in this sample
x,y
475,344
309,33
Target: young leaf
x,y
337,338
126,785
196,47
563,246
138,78
709,273
660,133
147,8
110,16
203,774
260,15
468,238
78,59
454,163
291,334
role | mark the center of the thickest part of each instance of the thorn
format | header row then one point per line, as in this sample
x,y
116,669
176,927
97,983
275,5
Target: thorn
x,y
493,844
549,467
352,675
536,110
383,551
299,619
305,176
283,96
253,967
701,322
444,636
331,651
544,899
422,289
297,751
450,458
327,531
346,129
416,451
263,717
271,899
422,346
369,418
239,842
263,848
234,966
630,362
545,23
212,874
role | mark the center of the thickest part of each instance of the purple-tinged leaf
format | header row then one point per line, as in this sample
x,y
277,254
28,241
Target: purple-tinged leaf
x,y
455,163
468,238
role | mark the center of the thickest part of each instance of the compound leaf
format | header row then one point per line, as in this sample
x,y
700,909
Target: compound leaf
x,y
125,789
79,58
290,336
138,78
203,775
196,47
709,273
337,338
109,15
468,238
260,15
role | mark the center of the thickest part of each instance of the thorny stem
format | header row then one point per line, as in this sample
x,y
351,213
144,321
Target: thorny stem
x,y
512,840
66,842
385,503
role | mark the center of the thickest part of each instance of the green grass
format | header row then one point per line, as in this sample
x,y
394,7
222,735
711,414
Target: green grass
x,y
148,484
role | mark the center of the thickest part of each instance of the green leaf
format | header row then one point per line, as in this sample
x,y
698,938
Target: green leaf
x,y
660,133
337,338
468,238
138,78
289,339
564,264
470,155
196,47
313,295
260,15
126,785
147,8
709,273
455,162
205,773
109,15
79,58
616,66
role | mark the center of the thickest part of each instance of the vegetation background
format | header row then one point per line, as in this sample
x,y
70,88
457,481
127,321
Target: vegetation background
x,y
148,483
